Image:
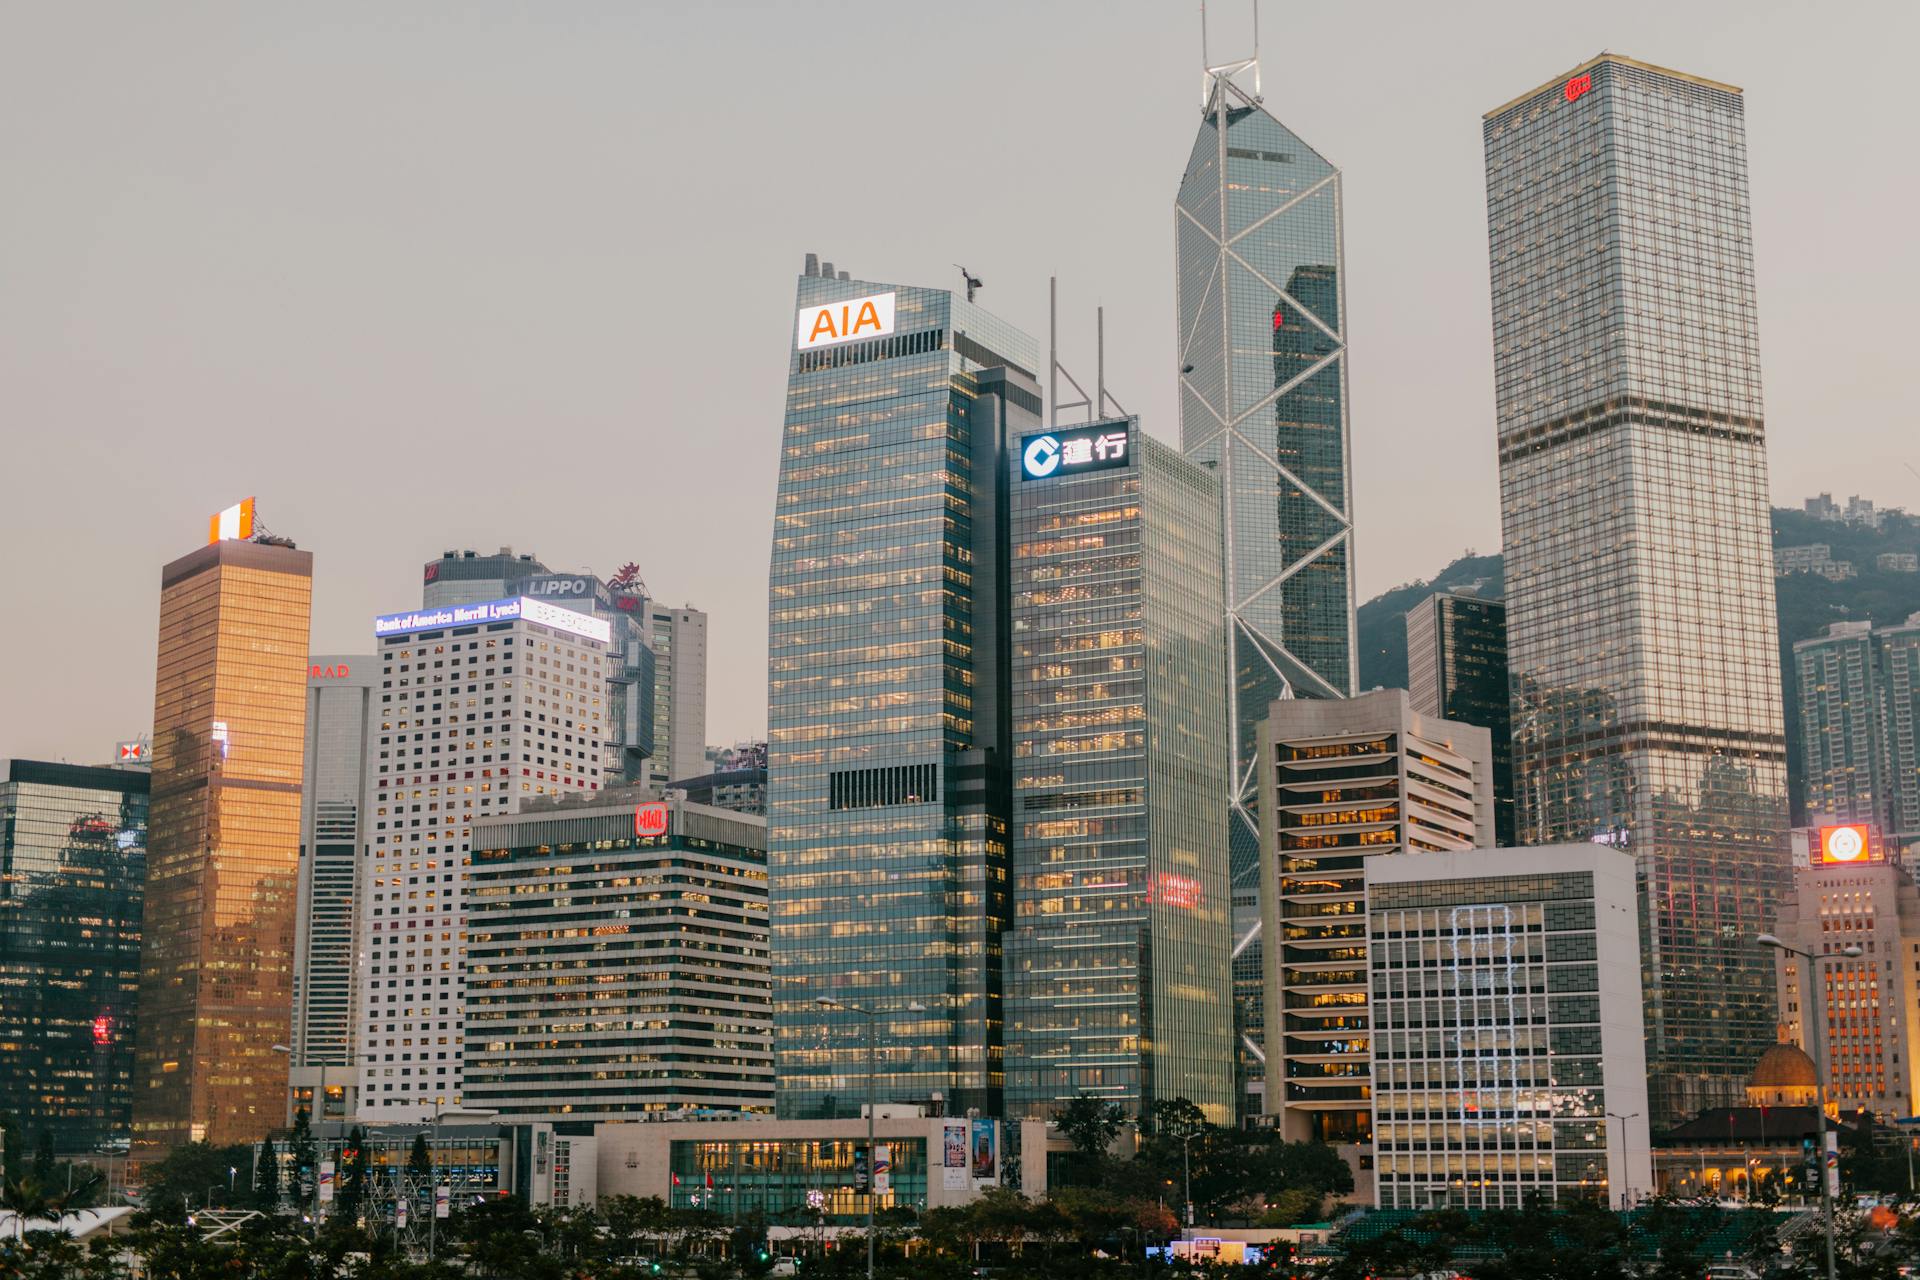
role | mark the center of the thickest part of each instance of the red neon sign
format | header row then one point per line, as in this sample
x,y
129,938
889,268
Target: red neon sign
x,y
1177,891
339,672
1579,87
650,819
103,1030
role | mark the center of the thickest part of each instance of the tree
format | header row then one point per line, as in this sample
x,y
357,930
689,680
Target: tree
x,y
15,1148
300,1147
43,1159
266,1177
352,1181
190,1174
1090,1124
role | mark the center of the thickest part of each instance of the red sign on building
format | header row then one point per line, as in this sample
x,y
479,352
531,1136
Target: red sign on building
x,y
650,819
1579,87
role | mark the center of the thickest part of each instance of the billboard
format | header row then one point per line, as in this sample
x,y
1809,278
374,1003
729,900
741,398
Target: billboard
x,y
236,522
463,615
832,323
1844,843
984,1150
953,1155
1067,452
579,587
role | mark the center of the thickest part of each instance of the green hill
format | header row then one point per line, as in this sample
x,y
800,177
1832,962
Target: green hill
x,y
1806,603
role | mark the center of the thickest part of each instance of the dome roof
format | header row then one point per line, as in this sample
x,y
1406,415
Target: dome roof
x,y
1784,1066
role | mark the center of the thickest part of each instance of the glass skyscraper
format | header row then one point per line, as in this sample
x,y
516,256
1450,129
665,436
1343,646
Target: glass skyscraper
x,y
1634,511
887,786
223,859
1457,669
1119,746
73,854
1263,379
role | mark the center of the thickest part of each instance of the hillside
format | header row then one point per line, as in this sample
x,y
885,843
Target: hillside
x,y
1805,603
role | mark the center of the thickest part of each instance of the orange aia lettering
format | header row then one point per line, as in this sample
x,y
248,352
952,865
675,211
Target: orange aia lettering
x,y
868,316
823,323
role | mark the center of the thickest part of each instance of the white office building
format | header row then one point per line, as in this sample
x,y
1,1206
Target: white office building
x,y
1509,1055
679,635
482,706
342,692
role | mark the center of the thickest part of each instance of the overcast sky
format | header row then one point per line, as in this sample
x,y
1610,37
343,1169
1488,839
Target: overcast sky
x,y
432,275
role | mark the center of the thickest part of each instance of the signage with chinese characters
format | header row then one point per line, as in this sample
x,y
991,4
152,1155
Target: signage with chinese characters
x,y
832,323
463,615
1850,842
235,523
1071,451
1579,87
650,819
1184,892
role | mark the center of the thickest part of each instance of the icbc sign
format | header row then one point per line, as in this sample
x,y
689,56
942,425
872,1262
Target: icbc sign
x,y
1843,844
1579,87
650,819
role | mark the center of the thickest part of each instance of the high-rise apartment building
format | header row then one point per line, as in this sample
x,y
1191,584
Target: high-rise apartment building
x,y
887,775
1507,1038
223,849
680,690
1341,781
1634,509
1263,403
482,706
469,577
1848,891
1119,752
1457,670
342,705
617,961
73,845
1859,709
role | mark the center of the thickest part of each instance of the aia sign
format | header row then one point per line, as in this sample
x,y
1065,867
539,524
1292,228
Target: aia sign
x,y
837,322
1579,87
650,819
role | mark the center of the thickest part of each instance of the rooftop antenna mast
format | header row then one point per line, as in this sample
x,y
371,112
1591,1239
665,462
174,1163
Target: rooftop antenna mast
x,y
1227,70
1097,404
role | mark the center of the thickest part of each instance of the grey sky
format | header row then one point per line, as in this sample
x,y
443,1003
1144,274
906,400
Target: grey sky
x,y
434,275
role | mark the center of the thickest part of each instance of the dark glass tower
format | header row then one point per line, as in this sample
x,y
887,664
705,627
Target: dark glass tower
x,y
887,786
73,851
1634,513
1263,377
1119,749
1457,669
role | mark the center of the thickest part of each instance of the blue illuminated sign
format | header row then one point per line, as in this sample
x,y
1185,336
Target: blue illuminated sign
x,y
1071,451
462,615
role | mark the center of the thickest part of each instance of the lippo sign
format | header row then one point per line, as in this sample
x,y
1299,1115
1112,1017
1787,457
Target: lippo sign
x,y
650,819
832,323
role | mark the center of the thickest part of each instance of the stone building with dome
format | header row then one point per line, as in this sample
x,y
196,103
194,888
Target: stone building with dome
x,y
1728,1152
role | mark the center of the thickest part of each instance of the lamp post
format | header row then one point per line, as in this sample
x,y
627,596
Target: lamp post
x,y
319,1135
1186,1173
1626,1155
873,1018
1818,1022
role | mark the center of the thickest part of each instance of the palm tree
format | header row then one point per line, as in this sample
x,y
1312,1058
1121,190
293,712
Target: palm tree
x,y
29,1197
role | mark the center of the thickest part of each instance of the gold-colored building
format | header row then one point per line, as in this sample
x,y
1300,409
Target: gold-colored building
x,y
216,970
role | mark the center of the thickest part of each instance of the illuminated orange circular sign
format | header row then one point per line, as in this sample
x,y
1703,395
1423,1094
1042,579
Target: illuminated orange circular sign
x,y
1843,844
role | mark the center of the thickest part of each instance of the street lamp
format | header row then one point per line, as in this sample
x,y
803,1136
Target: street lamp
x,y
319,1134
1817,1021
1626,1154
873,1018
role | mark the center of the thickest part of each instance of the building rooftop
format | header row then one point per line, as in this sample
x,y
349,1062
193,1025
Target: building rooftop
x,y
1624,61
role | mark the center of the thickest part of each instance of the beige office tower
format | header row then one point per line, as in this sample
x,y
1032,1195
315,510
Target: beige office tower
x,y
1340,781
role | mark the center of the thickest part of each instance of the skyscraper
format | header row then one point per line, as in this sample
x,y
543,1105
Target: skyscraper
x,y
482,706
468,577
1859,704
886,767
1457,669
1119,749
631,739
1263,378
617,961
1341,781
341,701
680,690
1634,511
73,842
223,860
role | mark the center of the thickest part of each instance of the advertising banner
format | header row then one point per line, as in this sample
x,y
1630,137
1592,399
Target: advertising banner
x,y
326,1181
882,1168
986,1163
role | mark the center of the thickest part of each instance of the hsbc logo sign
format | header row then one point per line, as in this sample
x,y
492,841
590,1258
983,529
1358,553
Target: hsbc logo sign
x,y
650,819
